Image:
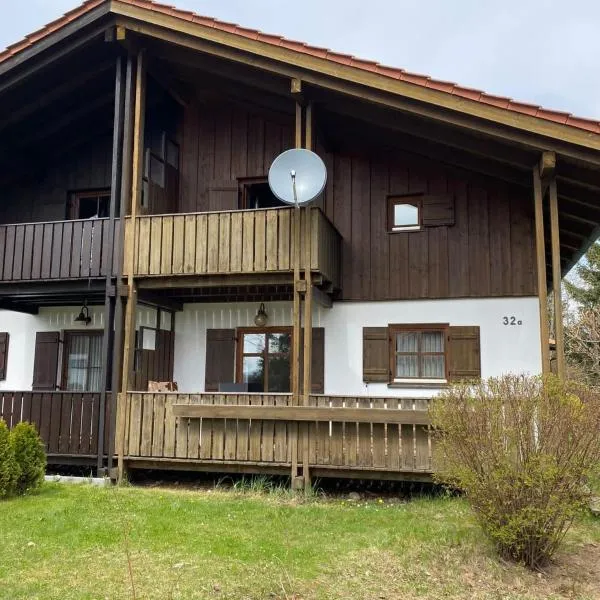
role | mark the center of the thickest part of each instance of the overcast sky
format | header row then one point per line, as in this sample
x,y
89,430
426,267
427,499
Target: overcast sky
x,y
540,51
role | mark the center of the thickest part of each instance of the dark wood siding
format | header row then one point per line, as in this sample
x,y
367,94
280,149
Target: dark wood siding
x,y
222,143
43,194
488,251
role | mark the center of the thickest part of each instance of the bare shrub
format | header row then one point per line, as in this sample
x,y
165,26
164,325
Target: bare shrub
x,y
521,449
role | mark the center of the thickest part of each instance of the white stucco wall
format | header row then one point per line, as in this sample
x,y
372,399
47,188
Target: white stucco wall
x,y
504,348
22,329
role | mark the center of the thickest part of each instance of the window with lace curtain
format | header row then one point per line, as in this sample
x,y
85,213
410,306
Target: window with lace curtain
x,y
82,361
418,352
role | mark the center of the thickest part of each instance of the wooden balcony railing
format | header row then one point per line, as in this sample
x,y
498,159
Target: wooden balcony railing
x,y
360,434
75,249
66,421
228,242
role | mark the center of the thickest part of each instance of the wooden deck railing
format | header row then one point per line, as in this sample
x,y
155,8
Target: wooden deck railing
x,y
402,444
228,242
74,249
66,421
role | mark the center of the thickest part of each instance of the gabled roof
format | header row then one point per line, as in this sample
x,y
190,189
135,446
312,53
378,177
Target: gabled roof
x,y
423,81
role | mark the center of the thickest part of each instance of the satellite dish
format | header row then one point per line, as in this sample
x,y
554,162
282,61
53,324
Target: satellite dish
x,y
297,176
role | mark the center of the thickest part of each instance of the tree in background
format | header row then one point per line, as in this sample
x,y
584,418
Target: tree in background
x,y
582,321
588,272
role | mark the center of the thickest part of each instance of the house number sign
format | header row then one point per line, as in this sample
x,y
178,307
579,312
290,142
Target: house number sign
x,y
512,320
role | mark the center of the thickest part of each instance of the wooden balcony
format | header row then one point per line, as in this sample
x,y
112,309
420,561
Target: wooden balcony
x,y
66,421
244,242
76,249
347,437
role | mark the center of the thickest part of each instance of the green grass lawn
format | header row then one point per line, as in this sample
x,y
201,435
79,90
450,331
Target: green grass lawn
x,y
72,542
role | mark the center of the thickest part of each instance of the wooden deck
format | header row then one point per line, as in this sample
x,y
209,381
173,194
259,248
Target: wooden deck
x,y
230,242
156,437
75,249
66,421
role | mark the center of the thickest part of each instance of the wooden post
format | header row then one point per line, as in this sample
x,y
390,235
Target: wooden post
x,y
130,252
109,299
125,191
557,280
296,315
307,382
540,247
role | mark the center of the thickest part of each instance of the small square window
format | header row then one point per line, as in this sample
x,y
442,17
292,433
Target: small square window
x,y
404,213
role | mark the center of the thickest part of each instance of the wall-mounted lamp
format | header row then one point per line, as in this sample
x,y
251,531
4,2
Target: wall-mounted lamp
x,y
84,314
261,318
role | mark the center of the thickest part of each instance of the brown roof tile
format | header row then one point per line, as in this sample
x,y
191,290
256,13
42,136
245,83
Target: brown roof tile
x,y
346,59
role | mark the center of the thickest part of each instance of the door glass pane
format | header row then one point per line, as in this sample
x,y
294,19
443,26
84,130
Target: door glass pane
x,y
94,364
432,341
279,374
407,365
253,371
433,366
254,343
407,341
405,215
77,360
279,343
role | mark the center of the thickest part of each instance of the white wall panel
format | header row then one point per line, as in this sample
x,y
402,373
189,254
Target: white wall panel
x,y
504,348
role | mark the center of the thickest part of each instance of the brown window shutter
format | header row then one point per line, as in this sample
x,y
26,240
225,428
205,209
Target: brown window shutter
x,y
3,354
45,361
223,195
317,368
220,358
464,353
438,210
318,361
376,355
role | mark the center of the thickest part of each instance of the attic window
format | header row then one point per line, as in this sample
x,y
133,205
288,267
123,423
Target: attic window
x,y
404,213
256,193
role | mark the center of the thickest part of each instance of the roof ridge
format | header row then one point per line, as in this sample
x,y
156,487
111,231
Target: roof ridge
x,y
449,87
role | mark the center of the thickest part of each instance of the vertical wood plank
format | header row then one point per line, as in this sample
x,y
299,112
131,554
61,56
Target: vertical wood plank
x,y
135,425
143,245
260,243
379,438
154,267
218,433
178,244
268,430
193,450
284,249
206,427
170,425
350,437
166,253
271,239
181,442
213,243
158,428
392,459
230,430
248,242
255,441
189,259
147,401
201,243
337,436
236,242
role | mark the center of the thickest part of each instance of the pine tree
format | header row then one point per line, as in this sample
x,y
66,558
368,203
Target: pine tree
x,y
588,271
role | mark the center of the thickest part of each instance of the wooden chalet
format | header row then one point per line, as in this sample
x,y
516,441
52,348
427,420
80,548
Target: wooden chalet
x,y
140,243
